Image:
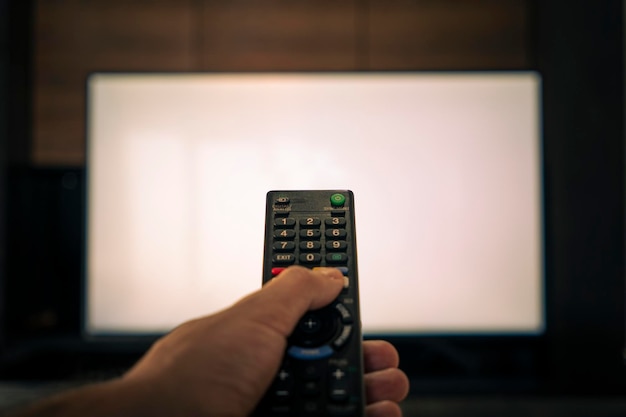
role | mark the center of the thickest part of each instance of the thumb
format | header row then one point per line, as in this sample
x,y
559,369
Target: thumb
x,y
285,299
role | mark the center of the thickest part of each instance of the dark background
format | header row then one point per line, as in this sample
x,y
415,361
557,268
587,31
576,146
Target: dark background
x,y
49,47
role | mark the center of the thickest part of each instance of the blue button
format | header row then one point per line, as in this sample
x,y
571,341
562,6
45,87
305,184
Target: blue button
x,y
343,269
310,353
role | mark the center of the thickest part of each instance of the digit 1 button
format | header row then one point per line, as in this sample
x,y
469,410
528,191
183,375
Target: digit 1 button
x,y
337,199
285,222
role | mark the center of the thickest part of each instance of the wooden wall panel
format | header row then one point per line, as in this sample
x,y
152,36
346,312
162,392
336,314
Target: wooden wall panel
x,y
74,38
280,35
448,34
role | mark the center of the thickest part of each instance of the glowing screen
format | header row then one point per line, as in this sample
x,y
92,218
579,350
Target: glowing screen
x,y
445,168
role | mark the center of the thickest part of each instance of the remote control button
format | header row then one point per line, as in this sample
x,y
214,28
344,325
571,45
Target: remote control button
x,y
284,234
285,222
310,323
310,258
311,372
311,409
284,246
284,375
282,200
310,234
276,271
284,258
311,389
344,336
308,354
346,317
336,258
336,233
336,245
338,385
337,200
335,221
347,410
316,328
338,374
339,393
310,245
281,411
344,270
283,385
310,222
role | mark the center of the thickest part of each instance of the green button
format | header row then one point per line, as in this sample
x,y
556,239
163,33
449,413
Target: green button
x,y
337,199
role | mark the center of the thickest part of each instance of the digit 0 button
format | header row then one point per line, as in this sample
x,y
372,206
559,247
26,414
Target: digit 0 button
x,y
337,199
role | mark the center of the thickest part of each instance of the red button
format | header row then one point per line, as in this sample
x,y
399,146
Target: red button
x,y
276,271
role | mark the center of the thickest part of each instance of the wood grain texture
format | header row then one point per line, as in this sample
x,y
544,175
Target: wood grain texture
x,y
74,38
279,35
448,34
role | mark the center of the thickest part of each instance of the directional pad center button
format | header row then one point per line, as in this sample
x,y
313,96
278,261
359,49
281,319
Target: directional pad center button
x,y
316,328
310,323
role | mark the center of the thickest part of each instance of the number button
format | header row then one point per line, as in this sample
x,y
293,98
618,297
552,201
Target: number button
x,y
310,222
335,221
336,245
310,245
284,246
284,234
285,222
336,233
310,258
310,233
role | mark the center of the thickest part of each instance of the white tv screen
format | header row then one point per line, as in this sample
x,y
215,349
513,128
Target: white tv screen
x,y
445,169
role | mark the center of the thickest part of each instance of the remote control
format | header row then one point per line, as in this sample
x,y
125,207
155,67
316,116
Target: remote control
x,y
322,370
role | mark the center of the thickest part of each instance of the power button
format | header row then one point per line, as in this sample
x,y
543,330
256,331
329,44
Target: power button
x,y
337,200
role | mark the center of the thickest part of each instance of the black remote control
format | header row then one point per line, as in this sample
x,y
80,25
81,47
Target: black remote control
x,y
322,370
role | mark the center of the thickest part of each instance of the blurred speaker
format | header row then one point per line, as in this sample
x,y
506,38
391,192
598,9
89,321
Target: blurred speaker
x,y
44,252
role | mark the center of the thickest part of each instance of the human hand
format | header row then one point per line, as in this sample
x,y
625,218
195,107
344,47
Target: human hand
x,y
221,365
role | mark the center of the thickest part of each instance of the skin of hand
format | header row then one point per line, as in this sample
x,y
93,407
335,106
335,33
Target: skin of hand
x,y
222,364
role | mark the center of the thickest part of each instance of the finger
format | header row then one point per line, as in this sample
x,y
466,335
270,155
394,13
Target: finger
x,y
387,385
379,354
282,302
383,409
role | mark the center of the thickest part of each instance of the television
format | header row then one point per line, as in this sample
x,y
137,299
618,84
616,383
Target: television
x,y
446,168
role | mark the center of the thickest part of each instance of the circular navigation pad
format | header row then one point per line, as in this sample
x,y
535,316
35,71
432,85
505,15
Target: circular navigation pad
x,y
316,328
